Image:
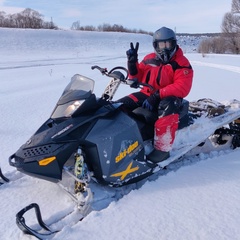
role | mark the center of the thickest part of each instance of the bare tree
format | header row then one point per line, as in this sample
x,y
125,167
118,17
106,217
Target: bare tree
x,y
31,18
28,18
235,6
231,27
212,45
231,23
2,18
76,25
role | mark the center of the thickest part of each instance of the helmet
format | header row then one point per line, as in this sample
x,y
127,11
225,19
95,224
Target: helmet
x,y
164,43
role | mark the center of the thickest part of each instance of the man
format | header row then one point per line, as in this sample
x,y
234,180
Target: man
x,y
170,74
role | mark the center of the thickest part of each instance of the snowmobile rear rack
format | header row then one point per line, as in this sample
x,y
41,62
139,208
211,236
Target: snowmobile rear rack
x,y
5,179
20,220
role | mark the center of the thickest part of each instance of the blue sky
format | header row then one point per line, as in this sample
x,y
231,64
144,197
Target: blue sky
x,y
185,16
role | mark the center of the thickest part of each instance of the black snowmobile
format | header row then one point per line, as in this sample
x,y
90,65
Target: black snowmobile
x,y
110,142
93,135
95,139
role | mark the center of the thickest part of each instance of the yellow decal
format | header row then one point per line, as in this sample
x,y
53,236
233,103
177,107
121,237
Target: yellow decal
x,y
124,173
125,152
46,161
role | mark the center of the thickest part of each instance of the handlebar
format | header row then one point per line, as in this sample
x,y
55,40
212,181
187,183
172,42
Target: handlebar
x,y
102,70
119,75
113,73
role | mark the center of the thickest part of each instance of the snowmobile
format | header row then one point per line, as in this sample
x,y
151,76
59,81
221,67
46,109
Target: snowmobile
x,y
96,135
89,138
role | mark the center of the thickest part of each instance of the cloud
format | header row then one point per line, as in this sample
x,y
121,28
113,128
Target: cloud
x,y
11,10
71,13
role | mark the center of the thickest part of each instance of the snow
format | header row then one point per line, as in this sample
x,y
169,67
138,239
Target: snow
x,y
199,200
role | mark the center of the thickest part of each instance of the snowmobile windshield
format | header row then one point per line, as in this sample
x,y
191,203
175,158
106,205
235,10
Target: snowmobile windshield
x,y
80,87
76,92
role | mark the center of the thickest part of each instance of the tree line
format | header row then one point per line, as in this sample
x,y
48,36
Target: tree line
x,y
229,39
105,27
28,18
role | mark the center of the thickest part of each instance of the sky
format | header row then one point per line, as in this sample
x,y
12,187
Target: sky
x,y
197,199
184,16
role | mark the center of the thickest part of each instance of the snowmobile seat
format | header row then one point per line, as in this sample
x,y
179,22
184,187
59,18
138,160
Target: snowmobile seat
x,y
184,119
150,118
145,115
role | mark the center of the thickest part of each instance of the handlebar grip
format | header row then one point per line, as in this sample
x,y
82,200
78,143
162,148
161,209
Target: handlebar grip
x,y
93,67
102,70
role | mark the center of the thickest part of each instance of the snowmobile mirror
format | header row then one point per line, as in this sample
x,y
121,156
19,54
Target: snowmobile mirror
x,y
117,75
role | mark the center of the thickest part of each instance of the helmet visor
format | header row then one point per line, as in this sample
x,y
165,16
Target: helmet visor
x,y
161,45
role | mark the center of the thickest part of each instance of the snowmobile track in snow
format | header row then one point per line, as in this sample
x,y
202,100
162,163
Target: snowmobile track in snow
x,y
219,66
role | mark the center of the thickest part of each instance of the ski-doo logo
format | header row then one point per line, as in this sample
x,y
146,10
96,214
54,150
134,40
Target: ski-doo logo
x,y
126,152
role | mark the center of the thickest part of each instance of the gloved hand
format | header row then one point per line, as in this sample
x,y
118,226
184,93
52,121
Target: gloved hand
x,y
152,101
132,53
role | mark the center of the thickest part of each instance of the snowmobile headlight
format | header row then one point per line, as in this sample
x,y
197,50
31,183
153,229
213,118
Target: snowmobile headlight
x,y
72,108
67,109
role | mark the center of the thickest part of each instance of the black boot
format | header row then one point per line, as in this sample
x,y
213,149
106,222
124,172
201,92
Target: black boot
x,y
158,156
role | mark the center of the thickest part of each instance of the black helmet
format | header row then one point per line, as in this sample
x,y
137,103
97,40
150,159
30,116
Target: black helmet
x,y
164,43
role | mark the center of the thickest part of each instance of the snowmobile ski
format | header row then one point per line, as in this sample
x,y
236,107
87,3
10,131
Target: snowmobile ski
x,y
43,231
20,220
5,179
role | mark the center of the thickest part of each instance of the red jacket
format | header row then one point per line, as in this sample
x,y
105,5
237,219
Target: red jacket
x,y
172,79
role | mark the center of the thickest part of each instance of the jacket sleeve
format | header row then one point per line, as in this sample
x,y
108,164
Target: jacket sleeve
x,y
132,69
137,70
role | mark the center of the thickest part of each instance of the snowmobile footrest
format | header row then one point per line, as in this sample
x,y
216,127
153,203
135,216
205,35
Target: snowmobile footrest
x,y
26,229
